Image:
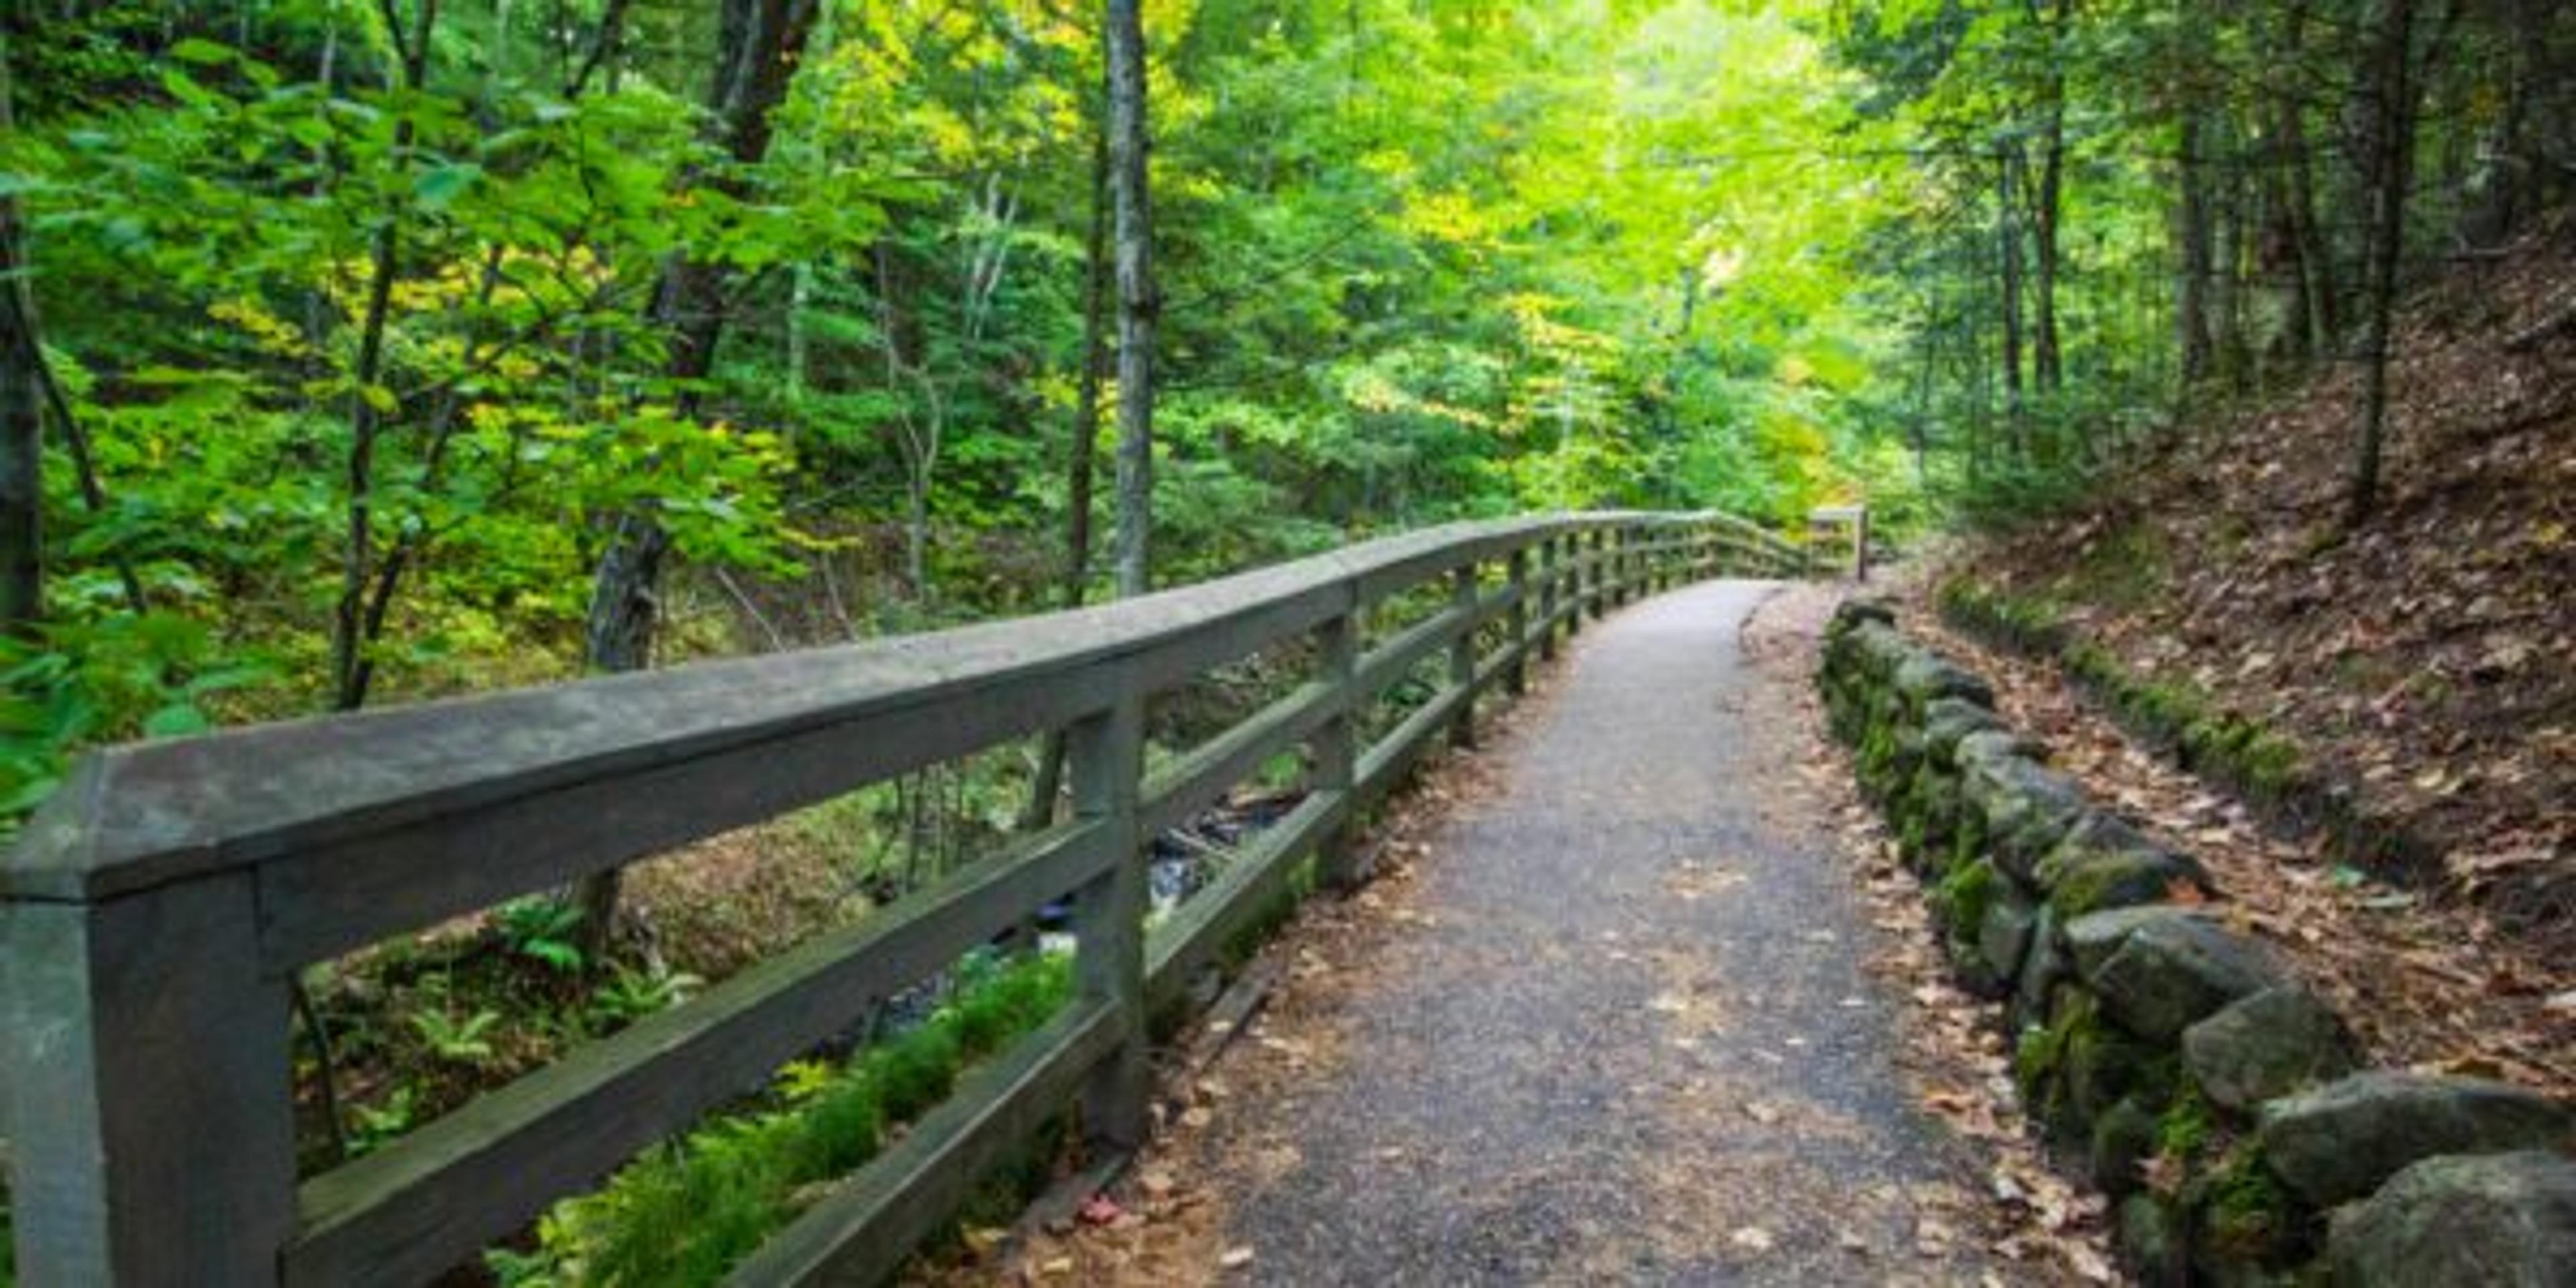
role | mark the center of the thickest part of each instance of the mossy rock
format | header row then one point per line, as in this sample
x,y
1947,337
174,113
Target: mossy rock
x,y
2151,1242
2043,967
2004,933
2102,862
1960,899
1925,678
2027,808
2503,1219
2124,1138
1949,721
2341,1140
2265,1046
2104,1063
2124,879
2168,972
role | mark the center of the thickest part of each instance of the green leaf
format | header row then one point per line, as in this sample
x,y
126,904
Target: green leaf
x,y
441,185
204,53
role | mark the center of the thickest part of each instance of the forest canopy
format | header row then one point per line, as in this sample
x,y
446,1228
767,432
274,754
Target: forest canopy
x,y
378,350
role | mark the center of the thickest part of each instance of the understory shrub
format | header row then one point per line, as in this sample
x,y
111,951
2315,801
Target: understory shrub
x,y
685,1213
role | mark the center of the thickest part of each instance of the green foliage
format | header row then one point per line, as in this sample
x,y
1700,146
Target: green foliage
x,y
540,929
2186,1127
685,1213
457,1040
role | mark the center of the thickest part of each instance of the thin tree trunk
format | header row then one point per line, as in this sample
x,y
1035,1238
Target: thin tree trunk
x,y
761,45
2191,304
1080,448
1139,307
2393,95
2047,367
22,445
2008,262
367,418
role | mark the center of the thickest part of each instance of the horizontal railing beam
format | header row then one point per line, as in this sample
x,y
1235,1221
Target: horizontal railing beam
x,y
432,1199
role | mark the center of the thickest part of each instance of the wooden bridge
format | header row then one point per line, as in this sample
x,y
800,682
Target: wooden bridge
x,y
156,912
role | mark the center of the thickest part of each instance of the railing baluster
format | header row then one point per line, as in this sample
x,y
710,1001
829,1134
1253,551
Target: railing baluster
x,y
1462,655
1336,745
146,1092
1107,751
1516,676
1551,575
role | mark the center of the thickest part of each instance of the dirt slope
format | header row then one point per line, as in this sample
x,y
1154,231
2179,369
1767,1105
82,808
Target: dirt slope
x,y
2428,659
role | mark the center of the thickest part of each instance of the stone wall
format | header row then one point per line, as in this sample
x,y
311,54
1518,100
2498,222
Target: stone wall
x,y
2221,1106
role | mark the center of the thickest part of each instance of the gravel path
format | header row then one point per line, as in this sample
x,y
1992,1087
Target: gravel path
x,y
1618,1030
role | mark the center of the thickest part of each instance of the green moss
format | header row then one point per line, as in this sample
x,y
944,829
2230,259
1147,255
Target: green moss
x,y
2269,765
2185,1128
2245,1214
2041,1052
1968,843
1962,897
2035,1055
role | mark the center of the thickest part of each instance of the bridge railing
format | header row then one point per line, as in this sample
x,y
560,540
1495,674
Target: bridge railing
x,y
157,909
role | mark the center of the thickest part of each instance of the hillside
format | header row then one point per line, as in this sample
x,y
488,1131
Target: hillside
x,y
2421,663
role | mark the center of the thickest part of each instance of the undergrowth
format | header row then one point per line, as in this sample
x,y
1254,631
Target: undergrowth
x,y
685,1213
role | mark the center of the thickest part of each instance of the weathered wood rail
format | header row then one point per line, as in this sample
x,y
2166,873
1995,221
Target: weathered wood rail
x,y
155,912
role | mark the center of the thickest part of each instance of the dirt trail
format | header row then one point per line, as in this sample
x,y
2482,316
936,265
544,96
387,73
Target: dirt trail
x,y
1608,1023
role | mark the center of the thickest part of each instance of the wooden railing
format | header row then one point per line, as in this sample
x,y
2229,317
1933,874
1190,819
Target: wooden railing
x,y
156,911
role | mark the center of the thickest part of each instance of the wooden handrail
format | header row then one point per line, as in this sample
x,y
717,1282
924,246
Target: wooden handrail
x,y
155,911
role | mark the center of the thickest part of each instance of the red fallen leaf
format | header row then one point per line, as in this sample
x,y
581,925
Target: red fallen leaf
x,y
1100,1209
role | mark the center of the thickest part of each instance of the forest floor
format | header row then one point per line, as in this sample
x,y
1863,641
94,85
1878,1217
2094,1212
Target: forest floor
x,y
2425,982
2424,661
1637,994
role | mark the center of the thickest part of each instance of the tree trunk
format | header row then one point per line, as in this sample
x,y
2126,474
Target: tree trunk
x,y
1138,305
2047,367
2191,296
2008,260
2392,95
22,438
1080,447
761,45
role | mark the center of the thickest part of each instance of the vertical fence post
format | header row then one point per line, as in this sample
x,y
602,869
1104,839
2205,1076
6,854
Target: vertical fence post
x,y
1517,673
1462,655
1860,544
1551,574
1585,548
1107,751
1336,744
147,1097
1626,563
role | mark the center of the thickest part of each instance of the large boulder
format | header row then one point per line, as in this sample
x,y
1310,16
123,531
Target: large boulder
x,y
2168,972
2102,862
2266,1045
2339,1141
2485,1220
